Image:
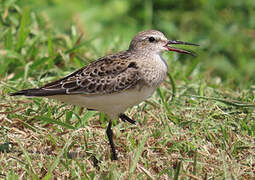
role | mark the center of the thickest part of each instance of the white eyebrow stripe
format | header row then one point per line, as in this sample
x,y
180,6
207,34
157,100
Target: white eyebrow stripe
x,y
145,37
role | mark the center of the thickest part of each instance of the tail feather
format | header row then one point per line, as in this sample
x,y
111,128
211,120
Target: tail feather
x,y
38,92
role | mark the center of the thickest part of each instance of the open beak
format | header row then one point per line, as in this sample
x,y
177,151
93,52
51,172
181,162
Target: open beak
x,y
180,50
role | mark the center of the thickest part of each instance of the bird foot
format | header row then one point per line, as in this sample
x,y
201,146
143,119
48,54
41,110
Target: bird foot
x,y
125,118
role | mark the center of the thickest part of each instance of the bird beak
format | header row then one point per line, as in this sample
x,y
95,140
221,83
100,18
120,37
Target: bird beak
x,y
180,50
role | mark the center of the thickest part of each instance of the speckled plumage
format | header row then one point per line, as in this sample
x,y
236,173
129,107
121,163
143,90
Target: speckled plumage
x,y
115,82
107,75
138,69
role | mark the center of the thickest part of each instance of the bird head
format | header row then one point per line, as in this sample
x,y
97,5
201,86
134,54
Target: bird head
x,y
153,41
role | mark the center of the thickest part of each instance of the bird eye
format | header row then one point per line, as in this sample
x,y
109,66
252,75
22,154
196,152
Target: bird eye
x,y
152,39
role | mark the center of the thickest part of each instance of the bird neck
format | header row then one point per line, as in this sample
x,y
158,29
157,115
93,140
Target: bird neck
x,y
152,56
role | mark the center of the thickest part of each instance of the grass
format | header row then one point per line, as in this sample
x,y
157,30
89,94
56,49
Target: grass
x,y
198,125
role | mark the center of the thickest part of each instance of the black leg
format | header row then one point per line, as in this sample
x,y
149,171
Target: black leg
x,y
125,118
109,135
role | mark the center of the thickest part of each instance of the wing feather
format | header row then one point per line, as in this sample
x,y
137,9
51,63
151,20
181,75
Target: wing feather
x,y
110,74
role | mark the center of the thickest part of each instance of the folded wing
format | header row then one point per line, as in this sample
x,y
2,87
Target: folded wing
x,y
104,76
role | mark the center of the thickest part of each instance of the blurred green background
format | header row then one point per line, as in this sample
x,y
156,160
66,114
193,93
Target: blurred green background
x,y
224,29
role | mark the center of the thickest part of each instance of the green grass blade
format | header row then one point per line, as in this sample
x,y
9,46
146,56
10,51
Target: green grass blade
x,y
177,171
192,67
23,29
173,85
39,62
163,99
9,39
195,163
55,163
27,158
49,120
227,102
138,154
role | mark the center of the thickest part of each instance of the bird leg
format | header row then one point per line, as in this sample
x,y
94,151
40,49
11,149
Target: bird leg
x,y
125,118
110,135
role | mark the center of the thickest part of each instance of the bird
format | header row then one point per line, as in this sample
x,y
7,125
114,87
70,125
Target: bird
x,y
115,82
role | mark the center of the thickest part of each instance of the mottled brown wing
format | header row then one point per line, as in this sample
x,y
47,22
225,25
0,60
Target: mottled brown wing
x,y
107,75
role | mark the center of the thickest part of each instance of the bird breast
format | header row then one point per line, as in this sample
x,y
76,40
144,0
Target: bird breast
x,y
153,70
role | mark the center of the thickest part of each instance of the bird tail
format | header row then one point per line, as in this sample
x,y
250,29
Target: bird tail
x,y
36,92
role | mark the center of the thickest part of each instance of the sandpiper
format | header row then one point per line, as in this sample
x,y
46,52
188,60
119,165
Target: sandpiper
x,y
115,82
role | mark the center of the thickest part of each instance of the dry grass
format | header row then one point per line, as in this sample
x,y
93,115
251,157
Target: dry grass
x,y
200,139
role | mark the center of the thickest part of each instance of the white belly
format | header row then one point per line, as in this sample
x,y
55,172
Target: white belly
x,y
112,104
